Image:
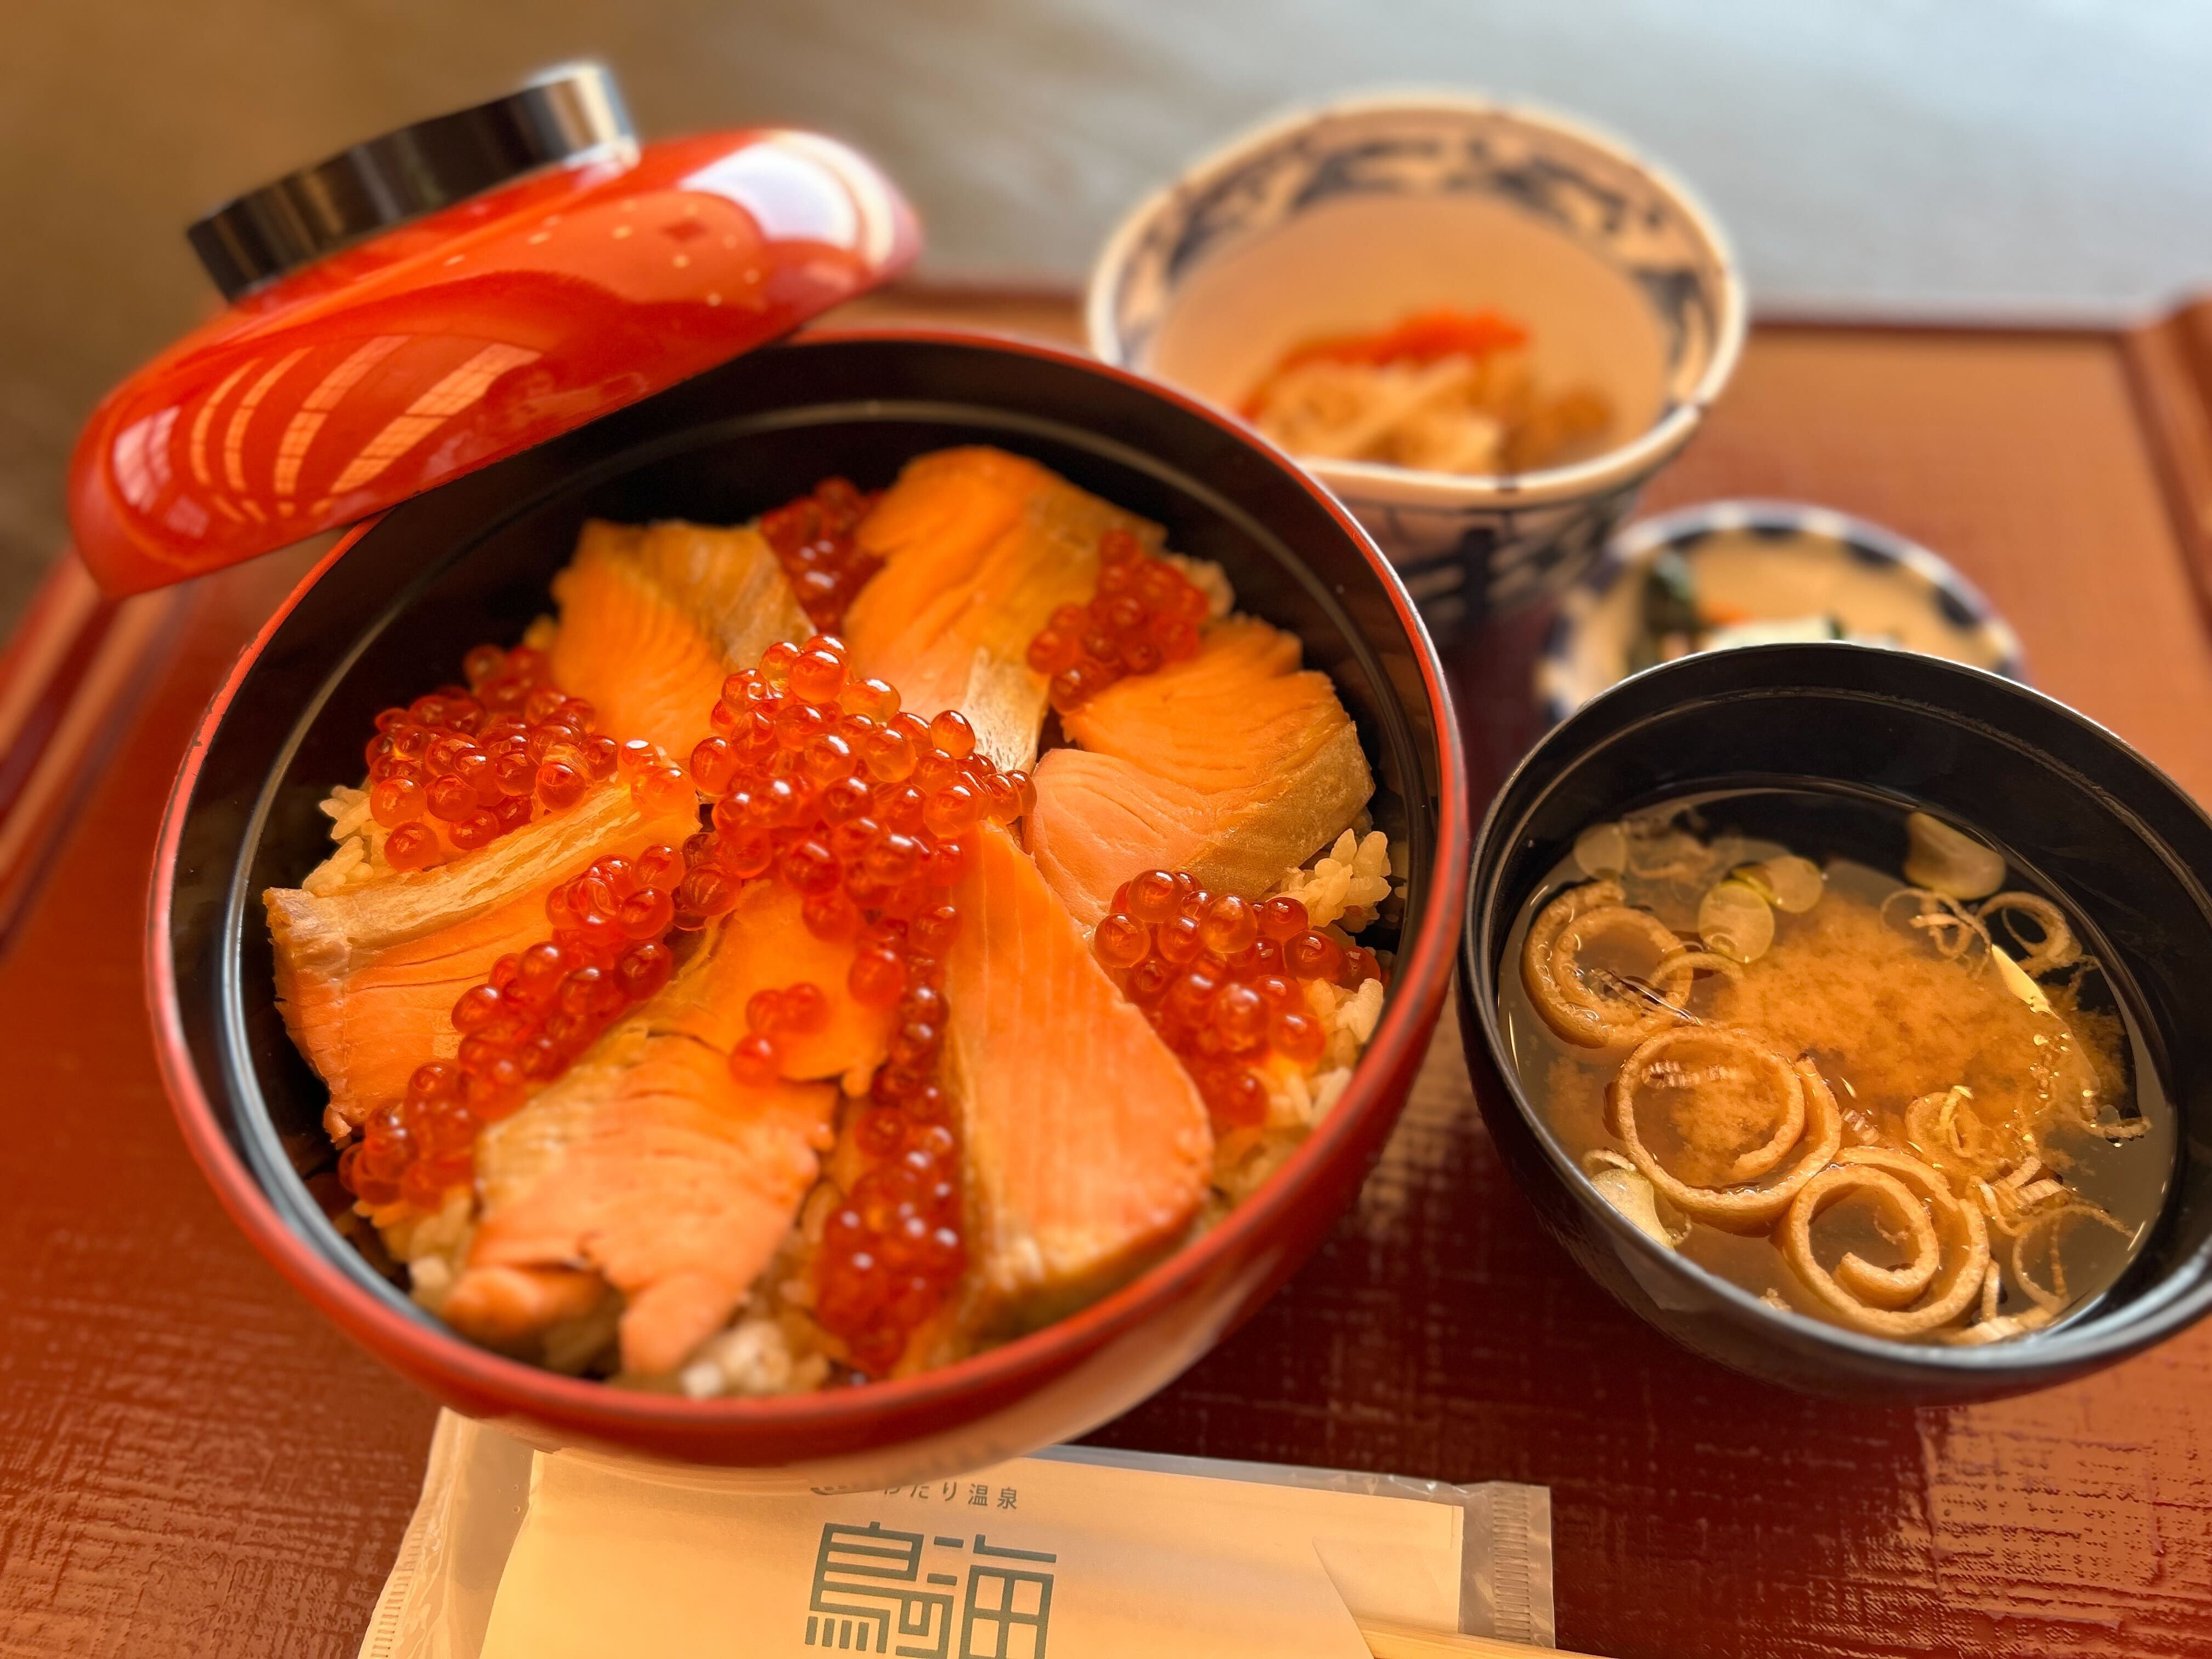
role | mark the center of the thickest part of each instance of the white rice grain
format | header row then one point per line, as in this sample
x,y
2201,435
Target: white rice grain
x,y
1361,1009
700,1380
1328,1088
753,1357
1346,883
351,822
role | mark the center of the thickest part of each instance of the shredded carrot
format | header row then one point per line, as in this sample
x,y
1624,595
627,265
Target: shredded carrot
x,y
1423,338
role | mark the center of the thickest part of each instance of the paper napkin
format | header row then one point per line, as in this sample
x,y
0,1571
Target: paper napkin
x,y
1078,1553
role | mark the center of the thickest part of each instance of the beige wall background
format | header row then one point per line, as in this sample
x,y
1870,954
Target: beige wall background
x,y
2035,156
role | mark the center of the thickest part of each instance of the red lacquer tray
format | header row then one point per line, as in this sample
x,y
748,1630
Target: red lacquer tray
x,y
191,1462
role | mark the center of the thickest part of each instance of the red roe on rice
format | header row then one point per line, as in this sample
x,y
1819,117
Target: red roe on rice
x,y
1143,614
892,1253
820,780
813,539
1220,977
455,770
522,1027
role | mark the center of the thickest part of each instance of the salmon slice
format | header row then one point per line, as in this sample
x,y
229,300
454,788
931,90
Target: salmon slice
x,y
1235,766
654,617
646,1165
979,549
507,1307
366,976
1087,1146
778,950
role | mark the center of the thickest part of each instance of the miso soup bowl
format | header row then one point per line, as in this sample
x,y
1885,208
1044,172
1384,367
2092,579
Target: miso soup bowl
x,y
394,607
2075,807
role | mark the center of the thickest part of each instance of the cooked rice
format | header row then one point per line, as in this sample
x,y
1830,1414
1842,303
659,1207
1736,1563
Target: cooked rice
x,y
434,1247
349,809
359,857
754,1357
1347,884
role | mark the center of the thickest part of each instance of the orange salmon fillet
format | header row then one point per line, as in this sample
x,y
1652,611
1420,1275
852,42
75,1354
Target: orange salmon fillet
x,y
1088,1148
648,1165
773,949
1235,765
979,549
654,617
367,977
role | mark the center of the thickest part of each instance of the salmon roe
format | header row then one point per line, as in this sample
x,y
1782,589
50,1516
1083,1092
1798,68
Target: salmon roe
x,y
456,769
1145,613
820,780
893,1251
1219,977
812,538
523,1027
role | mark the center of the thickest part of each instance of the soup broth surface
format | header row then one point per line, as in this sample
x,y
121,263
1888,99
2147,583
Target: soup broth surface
x,y
1915,1108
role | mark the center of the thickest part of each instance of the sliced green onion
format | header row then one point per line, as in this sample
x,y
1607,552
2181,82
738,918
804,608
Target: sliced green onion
x,y
1602,850
1795,883
1735,920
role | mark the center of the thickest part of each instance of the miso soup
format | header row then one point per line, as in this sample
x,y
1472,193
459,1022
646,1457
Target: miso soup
x,y
1846,1056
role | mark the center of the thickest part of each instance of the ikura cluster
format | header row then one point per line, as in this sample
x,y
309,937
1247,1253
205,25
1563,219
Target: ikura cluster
x,y
1220,978
892,1253
813,538
456,769
1145,613
523,1027
821,782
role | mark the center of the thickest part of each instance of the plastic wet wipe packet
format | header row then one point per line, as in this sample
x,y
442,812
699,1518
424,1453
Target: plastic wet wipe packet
x,y
1078,1552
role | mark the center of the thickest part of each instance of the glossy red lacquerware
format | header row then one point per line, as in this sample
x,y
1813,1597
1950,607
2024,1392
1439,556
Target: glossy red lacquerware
x,y
459,338
857,405
471,383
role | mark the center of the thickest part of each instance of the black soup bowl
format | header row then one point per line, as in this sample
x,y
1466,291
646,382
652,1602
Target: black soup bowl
x,y
2073,806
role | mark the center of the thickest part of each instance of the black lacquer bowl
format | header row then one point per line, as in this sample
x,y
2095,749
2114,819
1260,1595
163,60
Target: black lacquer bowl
x,y
2072,804
394,610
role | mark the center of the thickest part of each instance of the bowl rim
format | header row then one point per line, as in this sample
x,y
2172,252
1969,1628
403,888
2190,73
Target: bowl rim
x,y
2053,1354
1636,544
1406,487
424,1349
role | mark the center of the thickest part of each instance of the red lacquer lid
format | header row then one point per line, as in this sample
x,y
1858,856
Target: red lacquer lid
x,y
462,334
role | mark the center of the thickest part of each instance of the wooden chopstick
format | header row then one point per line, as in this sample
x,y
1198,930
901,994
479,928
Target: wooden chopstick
x,y
1389,1641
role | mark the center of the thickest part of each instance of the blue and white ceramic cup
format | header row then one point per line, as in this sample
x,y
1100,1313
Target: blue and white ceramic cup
x,y
1352,217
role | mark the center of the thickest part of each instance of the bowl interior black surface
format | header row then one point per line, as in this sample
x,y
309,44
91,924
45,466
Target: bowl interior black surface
x,y
470,562
2076,809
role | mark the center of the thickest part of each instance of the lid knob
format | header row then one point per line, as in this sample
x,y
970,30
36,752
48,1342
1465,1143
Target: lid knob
x,y
563,114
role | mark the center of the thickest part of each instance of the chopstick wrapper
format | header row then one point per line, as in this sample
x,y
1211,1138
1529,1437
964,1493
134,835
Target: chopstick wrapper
x,y
1077,1552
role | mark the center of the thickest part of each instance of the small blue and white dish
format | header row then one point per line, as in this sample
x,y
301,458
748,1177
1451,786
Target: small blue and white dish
x,y
1351,217
1748,572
